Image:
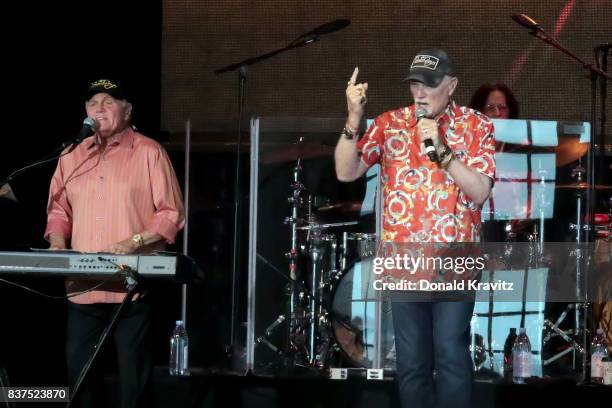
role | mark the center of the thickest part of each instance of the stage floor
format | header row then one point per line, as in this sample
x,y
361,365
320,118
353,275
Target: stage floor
x,y
213,390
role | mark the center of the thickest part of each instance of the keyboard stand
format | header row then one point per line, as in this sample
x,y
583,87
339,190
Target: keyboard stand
x,y
132,280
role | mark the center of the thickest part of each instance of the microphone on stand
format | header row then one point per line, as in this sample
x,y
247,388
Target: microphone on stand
x,y
90,126
327,28
526,22
429,147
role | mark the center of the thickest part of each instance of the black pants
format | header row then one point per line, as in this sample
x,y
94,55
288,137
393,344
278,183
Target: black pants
x,y
133,344
428,336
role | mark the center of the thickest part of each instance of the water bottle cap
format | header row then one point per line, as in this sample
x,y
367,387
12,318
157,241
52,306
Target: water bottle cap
x,y
513,330
179,322
522,330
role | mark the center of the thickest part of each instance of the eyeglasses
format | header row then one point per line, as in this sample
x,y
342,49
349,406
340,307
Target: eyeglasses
x,y
493,106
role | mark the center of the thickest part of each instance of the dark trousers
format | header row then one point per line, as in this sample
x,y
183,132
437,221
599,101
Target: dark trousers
x,y
428,336
134,351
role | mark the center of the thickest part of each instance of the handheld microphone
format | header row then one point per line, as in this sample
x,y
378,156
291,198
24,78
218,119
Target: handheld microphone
x,y
429,147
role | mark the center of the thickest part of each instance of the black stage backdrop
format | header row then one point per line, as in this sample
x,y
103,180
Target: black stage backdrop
x,y
487,45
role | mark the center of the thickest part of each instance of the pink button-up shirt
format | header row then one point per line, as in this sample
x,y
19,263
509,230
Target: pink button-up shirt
x,y
100,197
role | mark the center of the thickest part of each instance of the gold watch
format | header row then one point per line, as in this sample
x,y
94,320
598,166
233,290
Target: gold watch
x,y
137,238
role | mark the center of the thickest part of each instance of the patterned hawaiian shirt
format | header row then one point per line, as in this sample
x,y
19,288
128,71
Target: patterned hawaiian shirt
x,y
422,202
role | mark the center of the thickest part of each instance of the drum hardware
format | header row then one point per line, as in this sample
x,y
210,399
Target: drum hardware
x,y
578,331
297,313
565,335
319,276
317,336
521,231
479,354
268,331
313,275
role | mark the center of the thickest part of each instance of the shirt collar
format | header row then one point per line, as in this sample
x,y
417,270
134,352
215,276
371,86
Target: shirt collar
x,y
448,115
125,139
445,118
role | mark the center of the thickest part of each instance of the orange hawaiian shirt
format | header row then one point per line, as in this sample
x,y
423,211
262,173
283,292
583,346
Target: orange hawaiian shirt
x,y
422,203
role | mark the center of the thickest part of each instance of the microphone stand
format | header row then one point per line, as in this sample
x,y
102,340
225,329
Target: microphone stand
x,y
241,67
5,188
601,58
595,74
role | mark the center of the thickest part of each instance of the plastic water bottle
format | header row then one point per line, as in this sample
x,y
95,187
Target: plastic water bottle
x,y
521,358
606,363
508,345
599,350
179,346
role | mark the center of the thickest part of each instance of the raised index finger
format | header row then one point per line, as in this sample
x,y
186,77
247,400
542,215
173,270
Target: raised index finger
x,y
354,76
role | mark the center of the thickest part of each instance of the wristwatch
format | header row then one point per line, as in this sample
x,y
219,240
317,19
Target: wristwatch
x,y
137,238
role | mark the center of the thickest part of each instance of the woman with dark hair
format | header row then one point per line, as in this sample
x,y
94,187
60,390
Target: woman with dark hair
x,y
496,101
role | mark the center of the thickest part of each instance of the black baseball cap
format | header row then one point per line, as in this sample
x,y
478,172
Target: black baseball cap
x,y
108,86
430,66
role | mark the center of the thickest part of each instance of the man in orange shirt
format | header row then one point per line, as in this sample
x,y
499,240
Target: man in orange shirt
x,y
426,199
115,192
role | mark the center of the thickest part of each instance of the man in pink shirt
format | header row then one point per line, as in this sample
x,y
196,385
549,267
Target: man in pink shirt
x,y
115,192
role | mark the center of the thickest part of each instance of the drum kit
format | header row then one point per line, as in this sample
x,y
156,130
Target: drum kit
x,y
323,327
565,329
320,333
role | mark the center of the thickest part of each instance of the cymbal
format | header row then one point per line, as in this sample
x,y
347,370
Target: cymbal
x,y
347,206
584,185
570,150
296,151
330,225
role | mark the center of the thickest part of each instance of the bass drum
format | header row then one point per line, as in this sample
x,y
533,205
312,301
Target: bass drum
x,y
361,318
